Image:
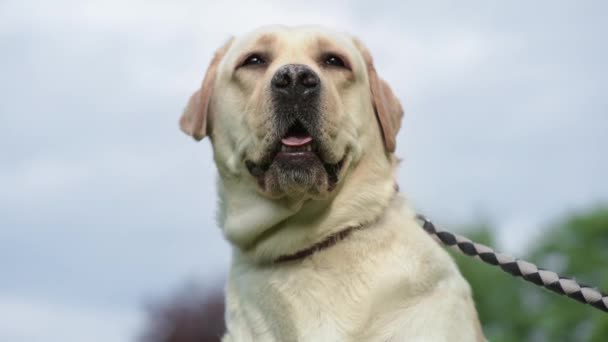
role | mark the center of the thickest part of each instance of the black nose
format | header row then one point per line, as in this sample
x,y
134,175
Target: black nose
x,y
295,80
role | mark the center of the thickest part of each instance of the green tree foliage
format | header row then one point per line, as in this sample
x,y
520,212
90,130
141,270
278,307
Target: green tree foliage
x,y
514,310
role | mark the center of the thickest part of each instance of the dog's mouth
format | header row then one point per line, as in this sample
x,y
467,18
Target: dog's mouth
x,y
297,161
296,140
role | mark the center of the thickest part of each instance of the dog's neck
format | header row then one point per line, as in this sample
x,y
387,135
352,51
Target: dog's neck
x,y
264,230
328,242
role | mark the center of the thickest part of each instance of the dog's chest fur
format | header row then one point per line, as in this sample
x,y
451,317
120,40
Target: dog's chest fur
x,y
382,283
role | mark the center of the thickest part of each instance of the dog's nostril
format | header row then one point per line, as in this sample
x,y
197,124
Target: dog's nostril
x,y
281,80
309,79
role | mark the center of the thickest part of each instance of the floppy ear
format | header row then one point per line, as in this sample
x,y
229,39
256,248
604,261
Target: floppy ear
x,y
194,118
386,105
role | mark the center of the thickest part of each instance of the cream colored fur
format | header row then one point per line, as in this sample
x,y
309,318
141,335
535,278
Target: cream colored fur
x,y
388,281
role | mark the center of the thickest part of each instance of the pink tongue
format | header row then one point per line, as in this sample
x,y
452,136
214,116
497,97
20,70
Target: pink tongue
x,y
296,141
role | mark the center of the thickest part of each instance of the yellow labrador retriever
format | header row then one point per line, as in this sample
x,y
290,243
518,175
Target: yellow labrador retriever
x,y
324,248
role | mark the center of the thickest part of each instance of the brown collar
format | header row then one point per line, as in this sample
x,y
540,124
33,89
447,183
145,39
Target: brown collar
x,y
317,247
323,244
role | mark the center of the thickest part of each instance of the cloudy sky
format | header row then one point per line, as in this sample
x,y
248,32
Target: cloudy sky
x,y
104,204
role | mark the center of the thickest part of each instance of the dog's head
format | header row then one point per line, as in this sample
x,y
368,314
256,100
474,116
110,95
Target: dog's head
x,y
292,109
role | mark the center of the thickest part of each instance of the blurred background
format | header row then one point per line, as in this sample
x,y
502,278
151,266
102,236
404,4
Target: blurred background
x,y
107,228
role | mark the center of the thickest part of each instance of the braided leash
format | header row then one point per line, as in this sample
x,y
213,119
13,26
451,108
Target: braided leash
x,y
519,268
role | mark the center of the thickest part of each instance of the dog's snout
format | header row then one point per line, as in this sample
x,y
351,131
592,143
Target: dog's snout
x,y
295,79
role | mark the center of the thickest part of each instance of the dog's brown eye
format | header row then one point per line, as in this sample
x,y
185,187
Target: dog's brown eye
x,y
254,60
334,60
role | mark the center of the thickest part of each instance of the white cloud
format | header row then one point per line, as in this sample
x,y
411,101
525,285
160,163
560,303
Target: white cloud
x,y
517,235
30,320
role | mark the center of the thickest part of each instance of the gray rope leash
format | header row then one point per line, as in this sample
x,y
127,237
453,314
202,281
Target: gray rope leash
x,y
519,268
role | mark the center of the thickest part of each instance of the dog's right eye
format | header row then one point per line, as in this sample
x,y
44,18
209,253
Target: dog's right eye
x,y
253,60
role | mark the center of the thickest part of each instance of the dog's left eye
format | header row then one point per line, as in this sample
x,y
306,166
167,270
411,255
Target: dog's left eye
x,y
333,60
254,60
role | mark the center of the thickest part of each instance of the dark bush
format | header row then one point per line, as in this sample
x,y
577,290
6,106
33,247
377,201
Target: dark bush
x,y
191,315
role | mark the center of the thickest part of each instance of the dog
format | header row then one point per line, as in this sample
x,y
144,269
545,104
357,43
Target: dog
x,y
325,248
